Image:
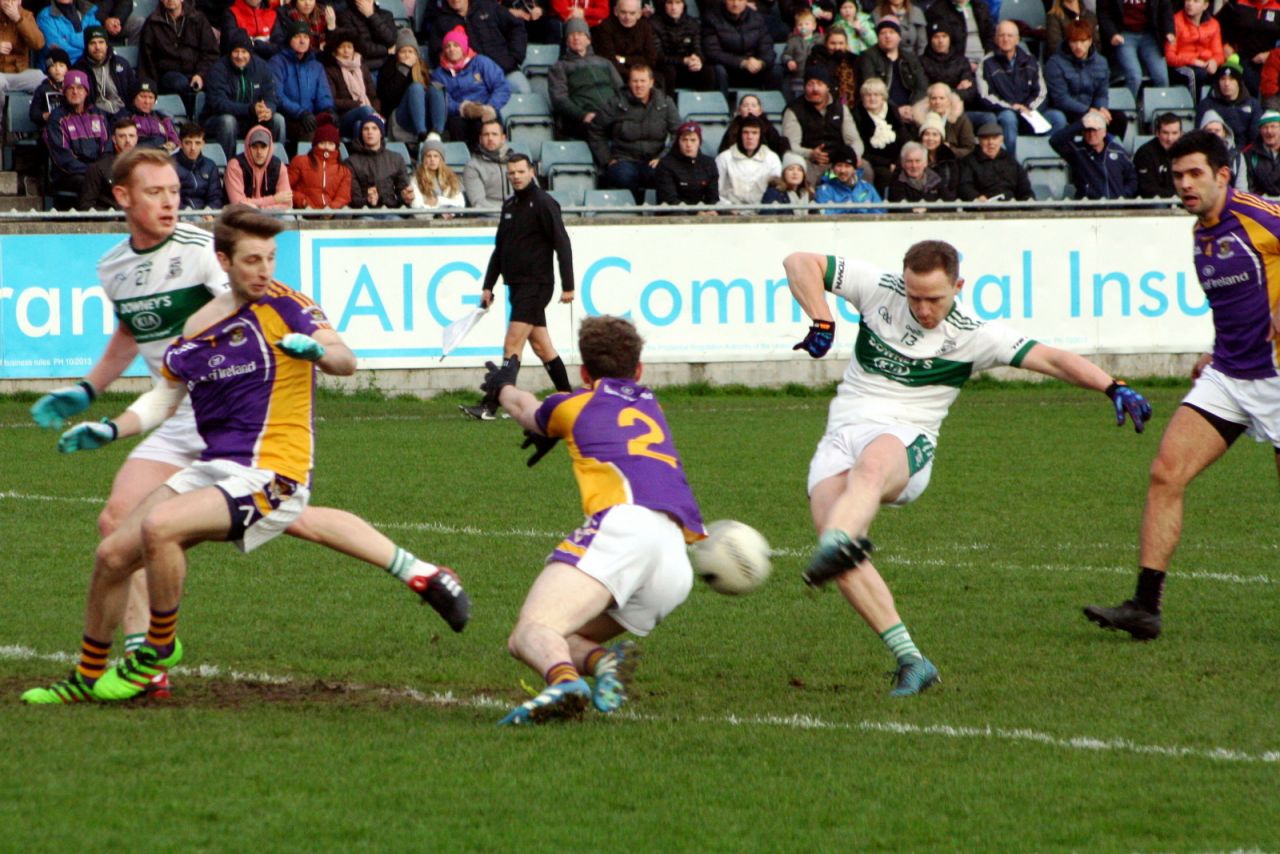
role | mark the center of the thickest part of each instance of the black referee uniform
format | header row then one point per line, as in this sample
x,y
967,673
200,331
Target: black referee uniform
x,y
529,231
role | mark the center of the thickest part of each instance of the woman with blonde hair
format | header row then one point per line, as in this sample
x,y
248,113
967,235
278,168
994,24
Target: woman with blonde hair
x,y
881,130
435,185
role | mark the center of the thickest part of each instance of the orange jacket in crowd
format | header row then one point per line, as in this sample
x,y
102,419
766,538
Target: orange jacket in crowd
x,y
1193,42
319,183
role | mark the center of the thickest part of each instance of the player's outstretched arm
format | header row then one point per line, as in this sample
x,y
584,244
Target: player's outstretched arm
x,y
146,413
1078,370
325,348
806,276
521,406
54,408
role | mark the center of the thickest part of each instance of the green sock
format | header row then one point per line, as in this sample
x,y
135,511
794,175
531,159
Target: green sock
x,y
898,639
132,642
402,565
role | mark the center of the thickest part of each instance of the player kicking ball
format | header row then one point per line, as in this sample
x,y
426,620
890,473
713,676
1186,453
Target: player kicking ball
x,y
916,347
247,358
1236,242
626,568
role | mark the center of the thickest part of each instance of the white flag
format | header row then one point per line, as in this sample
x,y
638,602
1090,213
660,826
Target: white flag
x,y
456,331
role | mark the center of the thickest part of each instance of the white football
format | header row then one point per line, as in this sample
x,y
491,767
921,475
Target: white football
x,y
733,559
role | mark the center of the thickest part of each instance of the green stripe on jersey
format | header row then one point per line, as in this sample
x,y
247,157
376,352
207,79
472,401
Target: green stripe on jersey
x,y
877,357
161,316
1016,361
919,454
829,277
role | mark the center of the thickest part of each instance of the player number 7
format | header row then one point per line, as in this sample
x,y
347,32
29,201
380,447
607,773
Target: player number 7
x,y
639,446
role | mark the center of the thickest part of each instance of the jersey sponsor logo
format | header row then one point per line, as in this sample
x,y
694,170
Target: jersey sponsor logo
x,y
217,360
876,357
1213,282
884,315
175,267
145,321
150,304
230,372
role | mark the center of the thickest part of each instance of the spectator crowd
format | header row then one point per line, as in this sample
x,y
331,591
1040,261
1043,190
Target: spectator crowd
x,y
353,104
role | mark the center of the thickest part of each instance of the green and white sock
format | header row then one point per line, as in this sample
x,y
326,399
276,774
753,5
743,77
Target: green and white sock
x,y
405,566
899,641
132,642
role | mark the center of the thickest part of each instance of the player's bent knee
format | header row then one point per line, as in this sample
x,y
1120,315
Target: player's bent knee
x,y
1168,473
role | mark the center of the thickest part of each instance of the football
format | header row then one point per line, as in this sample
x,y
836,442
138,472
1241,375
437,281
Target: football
x,y
733,559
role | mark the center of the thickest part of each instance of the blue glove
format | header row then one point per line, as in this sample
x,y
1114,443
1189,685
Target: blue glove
x,y
819,339
301,346
52,409
88,436
1129,402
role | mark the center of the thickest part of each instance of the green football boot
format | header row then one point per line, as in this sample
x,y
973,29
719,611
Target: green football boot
x,y
73,689
131,676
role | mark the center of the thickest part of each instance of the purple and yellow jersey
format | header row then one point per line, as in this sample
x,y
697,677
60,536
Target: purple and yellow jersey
x,y
622,451
1238,262
253,403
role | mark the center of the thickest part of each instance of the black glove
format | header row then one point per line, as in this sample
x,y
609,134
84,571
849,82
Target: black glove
x,y
306,124
495,378
541,445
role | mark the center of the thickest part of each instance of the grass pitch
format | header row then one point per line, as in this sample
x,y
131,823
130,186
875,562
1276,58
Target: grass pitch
x,y
324,709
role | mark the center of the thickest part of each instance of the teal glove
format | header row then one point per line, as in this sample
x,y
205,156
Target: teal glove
x,y
301,346
88,436
52,409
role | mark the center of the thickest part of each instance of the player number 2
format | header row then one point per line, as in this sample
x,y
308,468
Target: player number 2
x,y
640,445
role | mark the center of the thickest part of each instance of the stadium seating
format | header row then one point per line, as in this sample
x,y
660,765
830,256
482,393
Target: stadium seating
x,y
19,130
403,150
172,106
568,165
609,199
129,53
1139,141
709,109
1049,183
567,198
528,120
537,64
214,152
456,155
1166,99
1029,12
1120,100
398,11
773,103
1035,150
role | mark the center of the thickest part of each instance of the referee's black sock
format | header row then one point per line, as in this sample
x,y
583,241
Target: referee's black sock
x,y
559,376
1150,589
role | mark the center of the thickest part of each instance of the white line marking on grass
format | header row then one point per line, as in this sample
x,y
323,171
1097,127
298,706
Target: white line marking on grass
x,y
893,560
804,722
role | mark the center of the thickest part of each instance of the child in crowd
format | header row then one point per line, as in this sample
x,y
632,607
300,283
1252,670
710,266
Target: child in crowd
x,y
796,54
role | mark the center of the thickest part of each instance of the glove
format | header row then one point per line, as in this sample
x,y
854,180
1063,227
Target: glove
x,y
541,445
88,436
496,378
1127,401
819,339
52,409
301,346
306,124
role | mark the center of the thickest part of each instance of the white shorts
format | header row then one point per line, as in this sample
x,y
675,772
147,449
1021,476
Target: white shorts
x,y
1253,403
639,555
262,503
838,450
176,441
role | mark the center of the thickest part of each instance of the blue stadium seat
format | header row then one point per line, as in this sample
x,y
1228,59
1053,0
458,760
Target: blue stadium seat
x,y
1049,182
398,11
214,152
568,165
19,130
129,53
1034,150
1139,140
702,106
529,121
403,150
1029,12
567,198
1120,100
1166,99
772,102
609,199
539,58
456,155
171,106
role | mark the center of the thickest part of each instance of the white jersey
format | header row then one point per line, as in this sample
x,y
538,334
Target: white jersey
x,y
156,290
902,373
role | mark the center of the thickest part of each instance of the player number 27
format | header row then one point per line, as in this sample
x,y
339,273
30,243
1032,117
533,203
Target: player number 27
x,y
640,445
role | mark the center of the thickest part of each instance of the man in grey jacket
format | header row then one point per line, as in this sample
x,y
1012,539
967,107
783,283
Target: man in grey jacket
x,y
484,178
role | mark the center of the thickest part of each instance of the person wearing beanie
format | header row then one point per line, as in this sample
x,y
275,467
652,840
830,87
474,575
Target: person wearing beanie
x,y
155,129
686,176
957,128
816,122
792,187
63,24
18,29
749,106
1230,99
319,178
943,62
378,176
833,53
436,187
682,64
112,81
351,81
301,85
844,183
414,107
1262,157
319,18
492,31
747,167
580,83
48,94
372,27
942,159
177,49
241,94
76,135
199,179
474,86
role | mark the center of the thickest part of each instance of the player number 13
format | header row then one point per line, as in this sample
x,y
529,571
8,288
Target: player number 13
x,y
640,445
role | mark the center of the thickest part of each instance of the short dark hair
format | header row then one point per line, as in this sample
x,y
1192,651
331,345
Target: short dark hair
x,y
189,130
484,124
1202,142
519,157
929,255
610,347
126,164
1168,119
122,123
236,221
639,66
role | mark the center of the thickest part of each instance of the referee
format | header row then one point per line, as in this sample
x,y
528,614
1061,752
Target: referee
x,y
528,232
